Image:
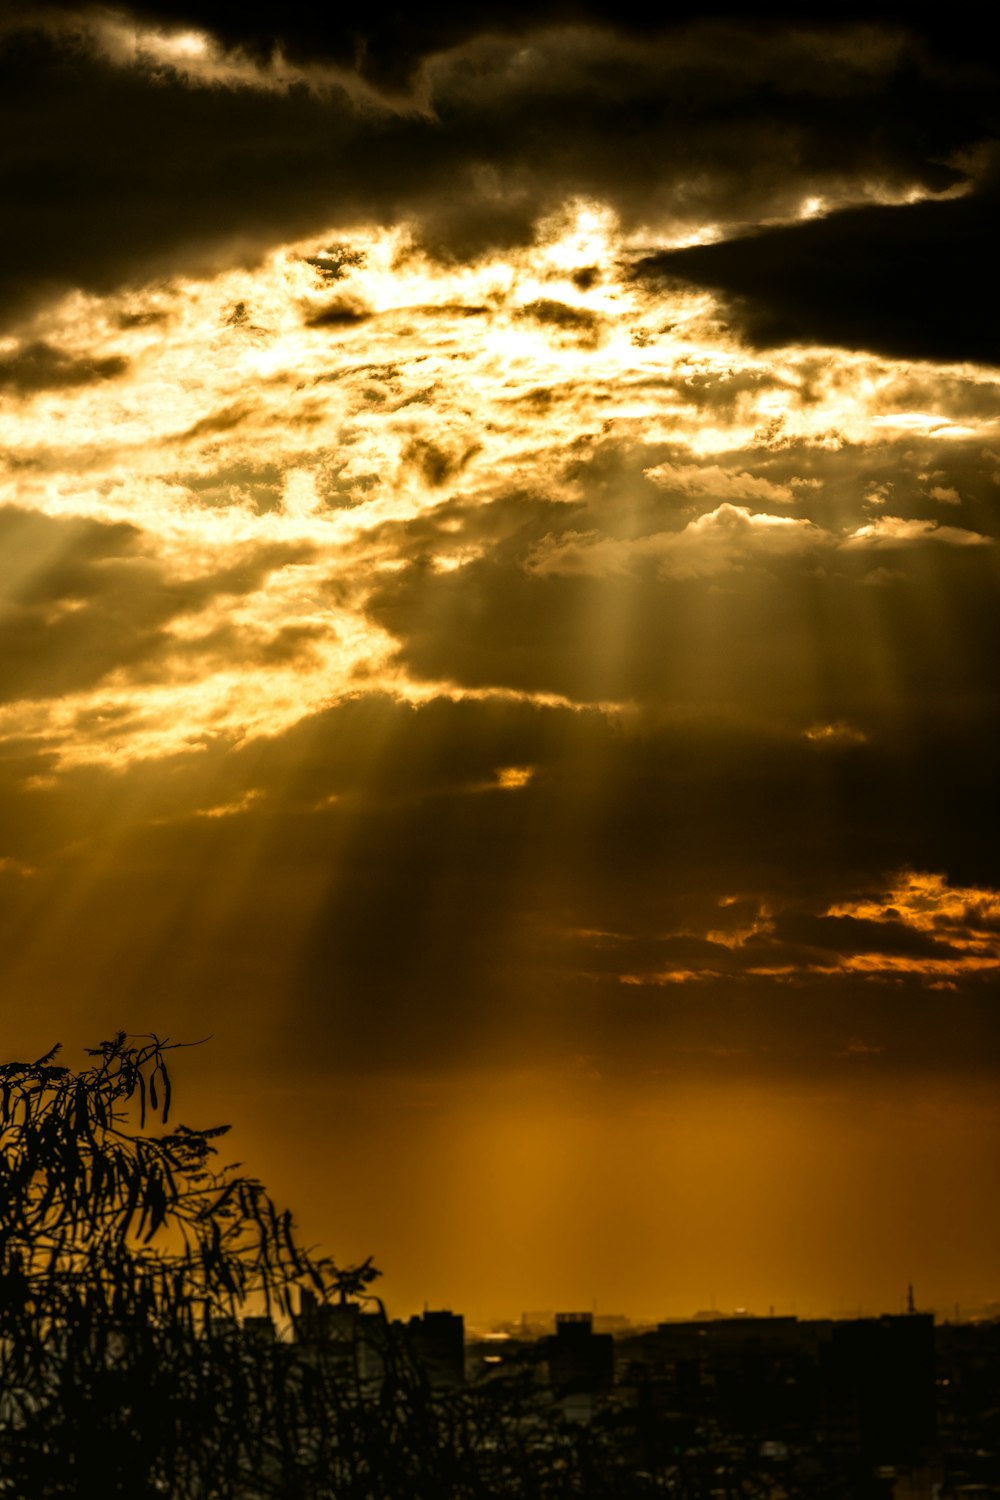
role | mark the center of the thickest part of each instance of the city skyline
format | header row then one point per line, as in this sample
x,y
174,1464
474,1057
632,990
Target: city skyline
x,y
498,522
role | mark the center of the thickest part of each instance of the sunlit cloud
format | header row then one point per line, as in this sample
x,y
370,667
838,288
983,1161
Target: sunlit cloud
x,y
713,482
894,531
197,60
731,536
925,900
512,778
919,928
837,733
224,417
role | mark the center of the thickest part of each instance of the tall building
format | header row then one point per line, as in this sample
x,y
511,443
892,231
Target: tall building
x,y
344,1332
579,1359
437,1341
877,1390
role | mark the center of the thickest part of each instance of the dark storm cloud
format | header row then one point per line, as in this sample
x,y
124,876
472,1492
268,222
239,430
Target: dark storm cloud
x,y
914,281
39,367
796,943
559,315
486,894
340,313
851,935
389,44
804,629
857,480
80,599
376,886
702,123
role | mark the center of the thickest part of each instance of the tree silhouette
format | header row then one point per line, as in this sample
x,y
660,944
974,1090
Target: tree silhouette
x,y
127,1255
129,1261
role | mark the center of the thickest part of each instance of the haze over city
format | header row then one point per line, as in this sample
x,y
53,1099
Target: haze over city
x,y
498,518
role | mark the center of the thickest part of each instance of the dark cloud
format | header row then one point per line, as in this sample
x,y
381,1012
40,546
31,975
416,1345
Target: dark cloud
x,y
39,366
805,636
847,935
561,315
141,319
198,175
488,892
340,313
914,281
388,44
794,943
82,599
224,420
712,121
435,463
367,880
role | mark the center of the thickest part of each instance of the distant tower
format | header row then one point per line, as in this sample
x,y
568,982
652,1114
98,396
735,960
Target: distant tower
x,y
911,1306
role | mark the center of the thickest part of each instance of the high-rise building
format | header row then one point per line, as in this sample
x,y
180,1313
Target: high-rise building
x,y
877,1391
579,1359
437,1341
345,1333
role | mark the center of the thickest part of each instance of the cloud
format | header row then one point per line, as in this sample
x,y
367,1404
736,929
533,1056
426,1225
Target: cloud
x,y
81,601
491,509
707,122
38,367
388,49
894,531
376,883
858,279
917,928
731,536
341,312
723,484
732,612
835,734
581,321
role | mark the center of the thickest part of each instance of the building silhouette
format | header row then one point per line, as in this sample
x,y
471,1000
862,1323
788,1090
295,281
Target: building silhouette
x,y
344,1332
437,1342
579,1359
877,1388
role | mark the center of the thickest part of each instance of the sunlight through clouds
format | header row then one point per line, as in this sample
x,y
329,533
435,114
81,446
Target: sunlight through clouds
x,y
325,407
498,615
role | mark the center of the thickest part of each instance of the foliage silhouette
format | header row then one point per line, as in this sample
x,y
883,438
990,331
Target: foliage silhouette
x,y
129,1256
126,1255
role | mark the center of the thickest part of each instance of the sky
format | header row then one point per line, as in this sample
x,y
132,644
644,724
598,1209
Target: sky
x,y
498,540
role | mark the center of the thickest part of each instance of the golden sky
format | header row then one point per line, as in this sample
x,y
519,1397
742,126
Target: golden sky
x,y
499,628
